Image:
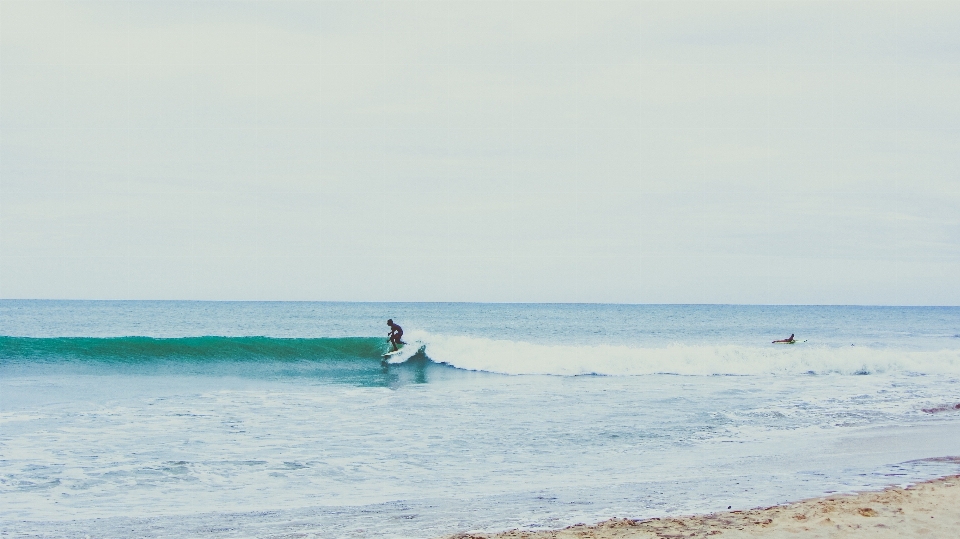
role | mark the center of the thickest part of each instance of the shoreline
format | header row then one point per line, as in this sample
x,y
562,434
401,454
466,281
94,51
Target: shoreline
x,y
925,509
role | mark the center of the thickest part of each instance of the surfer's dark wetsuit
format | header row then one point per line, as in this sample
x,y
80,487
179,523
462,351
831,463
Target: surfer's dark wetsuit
x,y
395,333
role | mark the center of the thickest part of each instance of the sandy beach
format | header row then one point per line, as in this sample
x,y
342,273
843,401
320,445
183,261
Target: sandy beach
x,y
930,509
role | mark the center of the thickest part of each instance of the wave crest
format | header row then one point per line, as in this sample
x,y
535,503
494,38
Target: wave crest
x,y
489,355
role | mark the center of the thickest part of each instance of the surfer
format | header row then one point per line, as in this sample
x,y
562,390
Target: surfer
x,y
395,333
788,340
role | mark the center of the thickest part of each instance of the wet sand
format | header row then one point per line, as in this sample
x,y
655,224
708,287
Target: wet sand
x,y
930,510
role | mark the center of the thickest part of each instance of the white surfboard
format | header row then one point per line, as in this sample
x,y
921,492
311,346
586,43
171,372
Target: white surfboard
x,y
405,352
393,352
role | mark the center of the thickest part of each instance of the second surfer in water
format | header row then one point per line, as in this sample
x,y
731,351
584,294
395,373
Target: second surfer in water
x,y
788,340
396,332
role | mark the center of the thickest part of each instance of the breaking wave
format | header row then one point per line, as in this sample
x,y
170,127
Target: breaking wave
x,y
511,357
488,355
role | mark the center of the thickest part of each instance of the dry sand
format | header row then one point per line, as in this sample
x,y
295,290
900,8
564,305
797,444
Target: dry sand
x,y
929,510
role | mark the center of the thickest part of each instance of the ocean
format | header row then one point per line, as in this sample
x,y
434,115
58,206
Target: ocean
x,y
279,419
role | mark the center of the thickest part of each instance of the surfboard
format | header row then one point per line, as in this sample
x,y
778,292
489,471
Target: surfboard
x,y
406,351
390,354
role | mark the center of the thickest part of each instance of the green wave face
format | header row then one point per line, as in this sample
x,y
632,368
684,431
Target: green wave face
x,y
191,348
352,360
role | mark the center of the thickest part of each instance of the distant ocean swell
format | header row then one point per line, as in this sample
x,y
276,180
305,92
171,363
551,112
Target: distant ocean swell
x,y
494,356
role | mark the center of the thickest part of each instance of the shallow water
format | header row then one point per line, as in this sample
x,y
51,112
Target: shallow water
x,y
281,418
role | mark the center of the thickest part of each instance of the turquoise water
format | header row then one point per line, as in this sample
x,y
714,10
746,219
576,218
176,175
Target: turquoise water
x,y
223,419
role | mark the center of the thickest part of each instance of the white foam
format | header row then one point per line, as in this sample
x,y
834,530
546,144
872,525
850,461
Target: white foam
x,y
512,357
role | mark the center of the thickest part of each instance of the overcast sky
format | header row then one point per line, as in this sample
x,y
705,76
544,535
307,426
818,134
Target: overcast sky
x,y
558,151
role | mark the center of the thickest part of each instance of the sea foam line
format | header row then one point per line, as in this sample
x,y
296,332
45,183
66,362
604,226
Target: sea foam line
x,y
513,357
